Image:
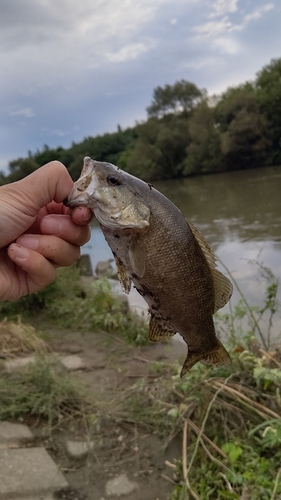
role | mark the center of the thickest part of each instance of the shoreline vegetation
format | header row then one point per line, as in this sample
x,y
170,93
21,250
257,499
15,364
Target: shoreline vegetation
x,y
186,133
226,420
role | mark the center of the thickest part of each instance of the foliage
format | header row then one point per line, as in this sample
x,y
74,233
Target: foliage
x,y
243,128
43,390
181,97
204,150
69,304
228,417
269,95
244,322
186,133
160,148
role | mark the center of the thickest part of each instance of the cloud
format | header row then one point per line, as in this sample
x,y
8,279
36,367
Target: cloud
x,y
222,7
60,41
227,45
26,112
213,28
225,25
128,52
257,13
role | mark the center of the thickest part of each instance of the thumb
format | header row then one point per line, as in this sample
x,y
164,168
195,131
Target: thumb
x,y
21,201
51,182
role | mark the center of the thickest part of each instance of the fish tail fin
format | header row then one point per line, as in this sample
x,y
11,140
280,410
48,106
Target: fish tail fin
x,y
218,355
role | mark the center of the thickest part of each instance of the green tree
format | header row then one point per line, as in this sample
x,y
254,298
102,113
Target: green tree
x,y
204,152
160,149
21,168
243,128
268,85
181,97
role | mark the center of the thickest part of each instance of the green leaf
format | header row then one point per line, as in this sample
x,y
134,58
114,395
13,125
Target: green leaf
x,y
232,450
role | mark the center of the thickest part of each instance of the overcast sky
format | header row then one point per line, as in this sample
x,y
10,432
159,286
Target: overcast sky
x,y
77,68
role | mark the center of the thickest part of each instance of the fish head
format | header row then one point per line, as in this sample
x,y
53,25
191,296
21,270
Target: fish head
x,y
111,194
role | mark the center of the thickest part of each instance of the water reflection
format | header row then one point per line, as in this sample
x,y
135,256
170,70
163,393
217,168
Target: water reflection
x,y
239,215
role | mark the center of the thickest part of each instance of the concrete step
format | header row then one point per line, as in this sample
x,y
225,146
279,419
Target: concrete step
x,y
28,473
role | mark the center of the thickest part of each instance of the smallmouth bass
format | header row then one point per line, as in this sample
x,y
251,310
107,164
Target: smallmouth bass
x,y
166,257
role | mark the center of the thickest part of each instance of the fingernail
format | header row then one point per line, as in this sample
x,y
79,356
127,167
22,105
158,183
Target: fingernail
x,y
21,253
51,225
29,241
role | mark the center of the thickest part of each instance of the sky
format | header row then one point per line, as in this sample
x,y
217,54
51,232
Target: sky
x,y
72,69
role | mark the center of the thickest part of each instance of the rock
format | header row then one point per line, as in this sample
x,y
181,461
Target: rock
x,y
104,269
78,449
120,485
28,472
14,433
124,303
12,365
73,362
85,266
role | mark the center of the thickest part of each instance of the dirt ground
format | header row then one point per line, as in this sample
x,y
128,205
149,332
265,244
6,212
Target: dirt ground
x,y
111,366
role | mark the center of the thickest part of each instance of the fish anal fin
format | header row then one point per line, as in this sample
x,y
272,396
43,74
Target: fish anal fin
x,y
216,356
136,257
123,276
158,330
222,286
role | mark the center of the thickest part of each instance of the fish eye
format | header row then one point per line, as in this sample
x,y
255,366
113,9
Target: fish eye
x,y
114,181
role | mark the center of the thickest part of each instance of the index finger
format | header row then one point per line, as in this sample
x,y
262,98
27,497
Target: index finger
x,y
81,215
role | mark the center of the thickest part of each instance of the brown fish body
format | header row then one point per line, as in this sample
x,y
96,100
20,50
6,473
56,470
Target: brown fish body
x,y
165,257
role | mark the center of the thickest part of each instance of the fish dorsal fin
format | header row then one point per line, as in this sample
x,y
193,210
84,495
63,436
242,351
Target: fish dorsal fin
x,y
136,257
216,356
123,276
158,330
222,286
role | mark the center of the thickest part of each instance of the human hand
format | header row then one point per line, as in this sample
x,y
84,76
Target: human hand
x,y
38,233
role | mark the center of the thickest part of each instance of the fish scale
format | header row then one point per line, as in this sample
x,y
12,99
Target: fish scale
x,y
166,257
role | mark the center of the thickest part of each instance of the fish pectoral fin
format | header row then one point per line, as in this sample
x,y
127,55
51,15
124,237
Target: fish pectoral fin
x,y
123,276
222,286
216,356
136,257
158,330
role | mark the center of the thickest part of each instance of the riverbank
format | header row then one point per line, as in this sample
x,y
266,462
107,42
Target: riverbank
x,y
107,410
113,443
122,424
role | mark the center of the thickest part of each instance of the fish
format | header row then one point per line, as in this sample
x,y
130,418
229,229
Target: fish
x,y
165,257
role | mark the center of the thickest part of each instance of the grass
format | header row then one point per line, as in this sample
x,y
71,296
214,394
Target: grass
x,y
227,418
43,390
69,304
18,337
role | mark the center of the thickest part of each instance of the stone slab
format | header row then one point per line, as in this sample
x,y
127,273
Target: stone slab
x,y
14,433
120,485
73,362
12,365
28,472
78,449
40,496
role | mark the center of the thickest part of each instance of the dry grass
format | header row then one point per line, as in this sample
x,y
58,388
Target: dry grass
x,y
19,338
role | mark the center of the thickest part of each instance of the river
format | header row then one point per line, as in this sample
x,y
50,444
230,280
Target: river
x,y
239,214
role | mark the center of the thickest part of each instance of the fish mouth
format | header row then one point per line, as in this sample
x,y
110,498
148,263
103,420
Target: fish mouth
x,y
83,189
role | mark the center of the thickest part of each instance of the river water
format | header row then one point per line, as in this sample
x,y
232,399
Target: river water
x,y
239,214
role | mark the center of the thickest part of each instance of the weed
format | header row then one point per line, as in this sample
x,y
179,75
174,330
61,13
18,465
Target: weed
x,y
43,390
69,304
